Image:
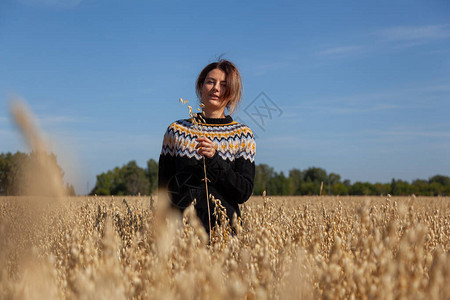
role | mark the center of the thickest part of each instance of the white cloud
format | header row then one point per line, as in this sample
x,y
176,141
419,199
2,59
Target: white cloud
x,y
393,38
433,88
349,104
415,33
53,3
344,50
362,108
410,132
418,96
264,68
440,51
431,134
57,120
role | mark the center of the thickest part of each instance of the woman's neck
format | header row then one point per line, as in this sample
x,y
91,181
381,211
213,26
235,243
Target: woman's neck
x,y
214,114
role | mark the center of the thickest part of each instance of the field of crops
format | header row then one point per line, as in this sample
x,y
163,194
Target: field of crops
x,y
285,248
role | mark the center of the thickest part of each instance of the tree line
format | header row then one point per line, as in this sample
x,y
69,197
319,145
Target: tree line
x,y
19,172
131,179
315,181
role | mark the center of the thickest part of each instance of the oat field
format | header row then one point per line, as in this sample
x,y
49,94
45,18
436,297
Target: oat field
x,y
285,248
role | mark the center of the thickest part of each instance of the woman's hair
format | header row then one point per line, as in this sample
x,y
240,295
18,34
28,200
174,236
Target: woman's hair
x,y
233,79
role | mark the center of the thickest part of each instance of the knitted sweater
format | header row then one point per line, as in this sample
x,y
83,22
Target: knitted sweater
x,y
230,172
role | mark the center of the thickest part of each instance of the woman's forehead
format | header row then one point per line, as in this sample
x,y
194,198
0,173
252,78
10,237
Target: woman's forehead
x,y
216,74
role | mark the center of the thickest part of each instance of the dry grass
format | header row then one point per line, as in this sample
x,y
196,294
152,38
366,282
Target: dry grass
x,y
299,247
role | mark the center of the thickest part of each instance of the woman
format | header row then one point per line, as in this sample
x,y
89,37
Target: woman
x,y
227,147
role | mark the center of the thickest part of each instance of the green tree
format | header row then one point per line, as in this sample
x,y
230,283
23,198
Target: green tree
x,y
24,174
405,188
394,188
315,175
360,188
340,189
295,181
135,179
152,175
441,179
420,187
310,188
332,180
263,175
11,172
312,180
279,184
381,188
104,184
130,179
435,189
16,174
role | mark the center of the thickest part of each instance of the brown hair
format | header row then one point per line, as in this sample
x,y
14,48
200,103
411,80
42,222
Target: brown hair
x,y
233,90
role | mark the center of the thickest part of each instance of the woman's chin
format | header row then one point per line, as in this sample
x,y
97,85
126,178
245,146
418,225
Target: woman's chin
x,y
214,105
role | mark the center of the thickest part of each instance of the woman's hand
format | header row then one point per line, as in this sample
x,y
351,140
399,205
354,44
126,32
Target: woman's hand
x,y
205,147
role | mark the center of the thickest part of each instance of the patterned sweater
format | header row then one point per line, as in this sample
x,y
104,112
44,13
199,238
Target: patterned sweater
x,y
231,171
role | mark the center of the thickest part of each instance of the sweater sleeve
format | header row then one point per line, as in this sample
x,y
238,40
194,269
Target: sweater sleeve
x,y
166,165
166,169
236,183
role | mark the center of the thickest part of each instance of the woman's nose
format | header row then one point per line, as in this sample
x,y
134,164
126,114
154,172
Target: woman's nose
x,y
217,86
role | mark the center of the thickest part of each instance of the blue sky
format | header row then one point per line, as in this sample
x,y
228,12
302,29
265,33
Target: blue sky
x,y
359,88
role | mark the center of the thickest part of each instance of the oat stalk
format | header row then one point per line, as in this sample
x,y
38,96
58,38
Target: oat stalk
x,y
193,118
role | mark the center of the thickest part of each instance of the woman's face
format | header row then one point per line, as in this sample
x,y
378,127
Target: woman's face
x,y
213,90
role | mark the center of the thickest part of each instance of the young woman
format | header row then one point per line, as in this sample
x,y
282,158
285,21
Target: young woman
x,y
227,146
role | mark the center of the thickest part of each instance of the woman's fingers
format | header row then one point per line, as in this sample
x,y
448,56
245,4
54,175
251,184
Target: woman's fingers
x,y
206,147
206,152
204,142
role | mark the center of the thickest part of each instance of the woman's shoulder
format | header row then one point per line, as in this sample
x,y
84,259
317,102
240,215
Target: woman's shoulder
x,y
242,128
179,124
246,148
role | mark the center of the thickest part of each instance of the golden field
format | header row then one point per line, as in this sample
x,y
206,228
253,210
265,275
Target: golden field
x,y
285,248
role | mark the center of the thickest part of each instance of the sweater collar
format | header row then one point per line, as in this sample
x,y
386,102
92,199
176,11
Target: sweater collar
x,y
228,119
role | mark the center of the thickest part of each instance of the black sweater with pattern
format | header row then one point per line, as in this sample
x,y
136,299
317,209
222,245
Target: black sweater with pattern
x,y
230,172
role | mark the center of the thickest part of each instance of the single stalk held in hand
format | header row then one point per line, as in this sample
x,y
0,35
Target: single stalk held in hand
x,y
196,119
